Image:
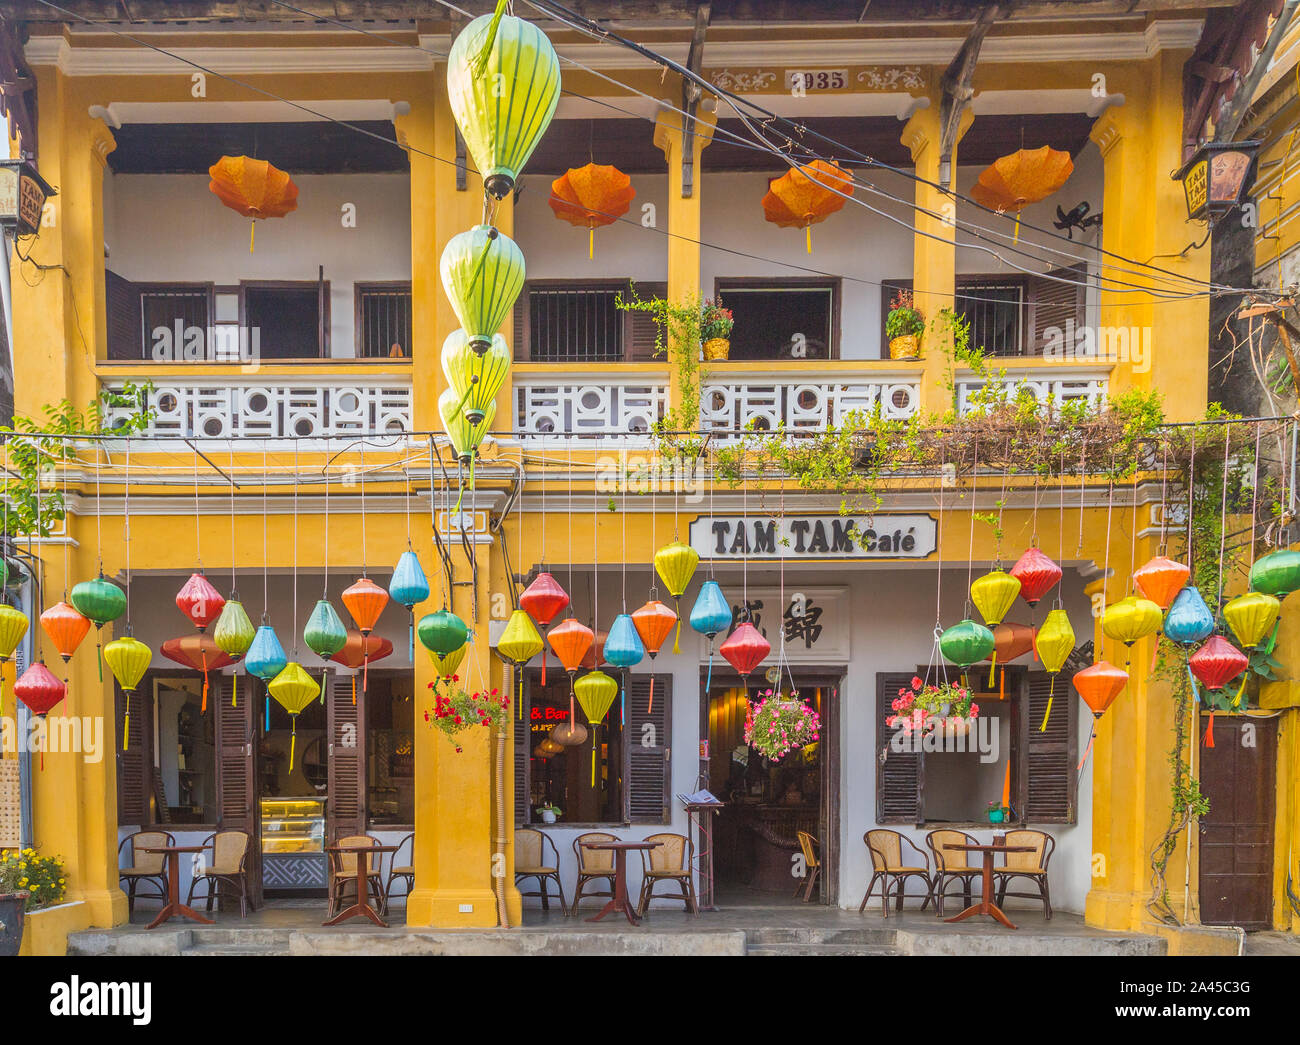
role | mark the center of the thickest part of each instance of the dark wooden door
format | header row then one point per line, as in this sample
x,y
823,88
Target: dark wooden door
x,y
237,805
1236,835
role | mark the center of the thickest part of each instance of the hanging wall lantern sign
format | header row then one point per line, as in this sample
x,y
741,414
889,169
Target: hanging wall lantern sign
x,y
590,197
1218,177
23,193
807,195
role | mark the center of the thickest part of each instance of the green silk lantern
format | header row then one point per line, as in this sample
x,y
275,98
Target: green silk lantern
x,y
293,689
100,601
503,83
994,594
464,436
1277,573
482,273
967,643
234,635
475,377
442,632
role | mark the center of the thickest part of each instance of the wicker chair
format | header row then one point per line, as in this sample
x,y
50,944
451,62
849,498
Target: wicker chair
x,y
343,874
406,872
811,849
229,853
886,848
951,866
536,857
593,865
670,861
145,868
1027,865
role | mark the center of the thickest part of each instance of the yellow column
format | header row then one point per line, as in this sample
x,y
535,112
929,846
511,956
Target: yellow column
x,y
934,253
683,221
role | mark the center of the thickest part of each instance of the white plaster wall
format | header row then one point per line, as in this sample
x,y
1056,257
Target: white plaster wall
x,y
171,228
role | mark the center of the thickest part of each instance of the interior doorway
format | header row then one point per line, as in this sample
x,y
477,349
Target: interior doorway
x,y
756,852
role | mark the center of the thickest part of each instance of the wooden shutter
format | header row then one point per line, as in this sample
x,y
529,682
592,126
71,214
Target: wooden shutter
x,y
523,749
347,761
237,805
639,327
898,773
519,326
122,306
1052,304
647,778
1047,760
133,764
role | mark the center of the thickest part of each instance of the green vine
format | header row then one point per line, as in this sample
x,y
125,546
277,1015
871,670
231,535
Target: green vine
x,y
678,328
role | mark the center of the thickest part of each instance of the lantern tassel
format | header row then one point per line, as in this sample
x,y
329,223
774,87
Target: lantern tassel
x,y
203,710
1208,739
651,702
234,693
1155,653
993,665
266,727
1051,695
354,691
252,231
591,254
293,741
1241,689
543,665
1002,684
410,639
708,682
1196,695
1092,735
593,758
807,233
365,676
99,657
126,723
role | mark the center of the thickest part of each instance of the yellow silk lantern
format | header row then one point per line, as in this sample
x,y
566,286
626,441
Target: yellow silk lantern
x,y
293,689
128,659
675,563
1251,617
596,692
13,626
519,644
446,665
1054,644
994,594
1131,619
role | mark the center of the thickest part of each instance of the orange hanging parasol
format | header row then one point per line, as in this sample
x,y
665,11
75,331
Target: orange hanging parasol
x,y
1026,176
253,188
590,197
806,195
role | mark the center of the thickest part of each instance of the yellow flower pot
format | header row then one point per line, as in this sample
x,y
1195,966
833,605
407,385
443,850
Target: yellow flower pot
x,y
717,348
906,347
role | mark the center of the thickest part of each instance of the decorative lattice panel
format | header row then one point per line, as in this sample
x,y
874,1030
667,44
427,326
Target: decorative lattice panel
x,y
11,813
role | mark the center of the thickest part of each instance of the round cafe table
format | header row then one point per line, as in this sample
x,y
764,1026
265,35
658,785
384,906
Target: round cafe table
x,y
173,906
986,904
619,901
362,907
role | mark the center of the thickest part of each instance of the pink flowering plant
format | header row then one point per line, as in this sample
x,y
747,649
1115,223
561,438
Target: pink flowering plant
x,y
923,706
455,710
778,724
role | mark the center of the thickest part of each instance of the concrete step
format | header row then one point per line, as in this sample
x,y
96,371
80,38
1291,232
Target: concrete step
x,y
240,936
216,950
826,950
815,936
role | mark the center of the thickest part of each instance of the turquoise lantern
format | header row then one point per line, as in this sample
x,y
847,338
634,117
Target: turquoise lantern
x,y
265,659
710,615
1187,623
623,649
408,587
482,273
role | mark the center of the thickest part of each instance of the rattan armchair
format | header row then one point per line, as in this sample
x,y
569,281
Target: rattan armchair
x,y
593,865
886,849
145,868
811,849
952,866
536,857
1027,865
229,854
406,872
343,874
670,861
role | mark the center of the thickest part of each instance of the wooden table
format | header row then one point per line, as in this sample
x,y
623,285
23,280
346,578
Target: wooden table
x,y
986,904
362,906
619,901
173,906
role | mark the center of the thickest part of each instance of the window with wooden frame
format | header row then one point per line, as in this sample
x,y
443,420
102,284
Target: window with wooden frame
x,y
286,319
782,318
934,788
632,770
1011,316
159,322
578,321
383,320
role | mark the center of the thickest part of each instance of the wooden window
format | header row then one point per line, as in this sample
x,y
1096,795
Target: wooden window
x,y
782,318
237,744
134,779
346,756
286,319
995,310
383,320
1047,759
898,773
647,755
568,321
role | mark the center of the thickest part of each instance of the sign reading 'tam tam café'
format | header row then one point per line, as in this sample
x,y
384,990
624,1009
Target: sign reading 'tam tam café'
x,y
877,536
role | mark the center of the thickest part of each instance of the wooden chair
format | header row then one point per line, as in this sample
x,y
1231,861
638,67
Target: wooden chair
x,y
670,861
229,853
145,868
536,857
812,864
593,865
886,848
1027,865
406,872
343,874
950,867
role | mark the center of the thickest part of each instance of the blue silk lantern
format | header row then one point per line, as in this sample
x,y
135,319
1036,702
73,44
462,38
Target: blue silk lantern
x,y
1187,623
710,615
409,586
623,648
265,659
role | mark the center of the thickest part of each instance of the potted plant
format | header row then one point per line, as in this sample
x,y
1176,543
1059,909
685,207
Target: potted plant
x,y
923,708
998,813
778,724
27,883
455,710
549,812
12,908
715,329
903,327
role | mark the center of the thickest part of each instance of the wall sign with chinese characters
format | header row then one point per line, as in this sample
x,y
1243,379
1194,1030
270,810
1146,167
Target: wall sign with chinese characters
x,y
812,537
814,620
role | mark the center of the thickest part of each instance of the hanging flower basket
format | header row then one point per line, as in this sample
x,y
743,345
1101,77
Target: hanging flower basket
x,y
923,708
778,724
455,710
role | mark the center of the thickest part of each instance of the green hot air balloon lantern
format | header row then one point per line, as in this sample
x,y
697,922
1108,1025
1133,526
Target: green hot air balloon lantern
x,y
965,644
464,436
503,83
475,377
1277,573
100,601
482,273
442,632
233,635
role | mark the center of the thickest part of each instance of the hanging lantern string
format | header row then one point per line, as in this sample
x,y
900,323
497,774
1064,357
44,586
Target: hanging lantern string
x,y
66,544
1060,537
325,586
1164,506
1033,539
198,550
361,478
126,536
1002,503
938,570
970,547
1223,519
1191,496
623,506
569,515
294,618
266,586
1110,508
99,534
1083,479
1133,536
1254,498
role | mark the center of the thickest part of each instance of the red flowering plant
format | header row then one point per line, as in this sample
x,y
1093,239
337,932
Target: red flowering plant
x,y
715,321
778,724
924,706
454,710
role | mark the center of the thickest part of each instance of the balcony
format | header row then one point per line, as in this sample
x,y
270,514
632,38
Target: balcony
x,y
1045,382
622,399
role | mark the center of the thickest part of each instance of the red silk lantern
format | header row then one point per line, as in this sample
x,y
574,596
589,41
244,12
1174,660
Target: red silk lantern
x,y
65,627
1216,664
745,648
40,689
362,648
653,622
199,652
1037,575
543,600
571,640
1161,579
200,601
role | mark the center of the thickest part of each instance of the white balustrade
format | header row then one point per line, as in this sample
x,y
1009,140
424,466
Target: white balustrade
x,y
613,405
1047,386
767,401
225,408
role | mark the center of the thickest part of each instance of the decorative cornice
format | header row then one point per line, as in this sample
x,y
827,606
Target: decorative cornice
x,y
102,141
1106,132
